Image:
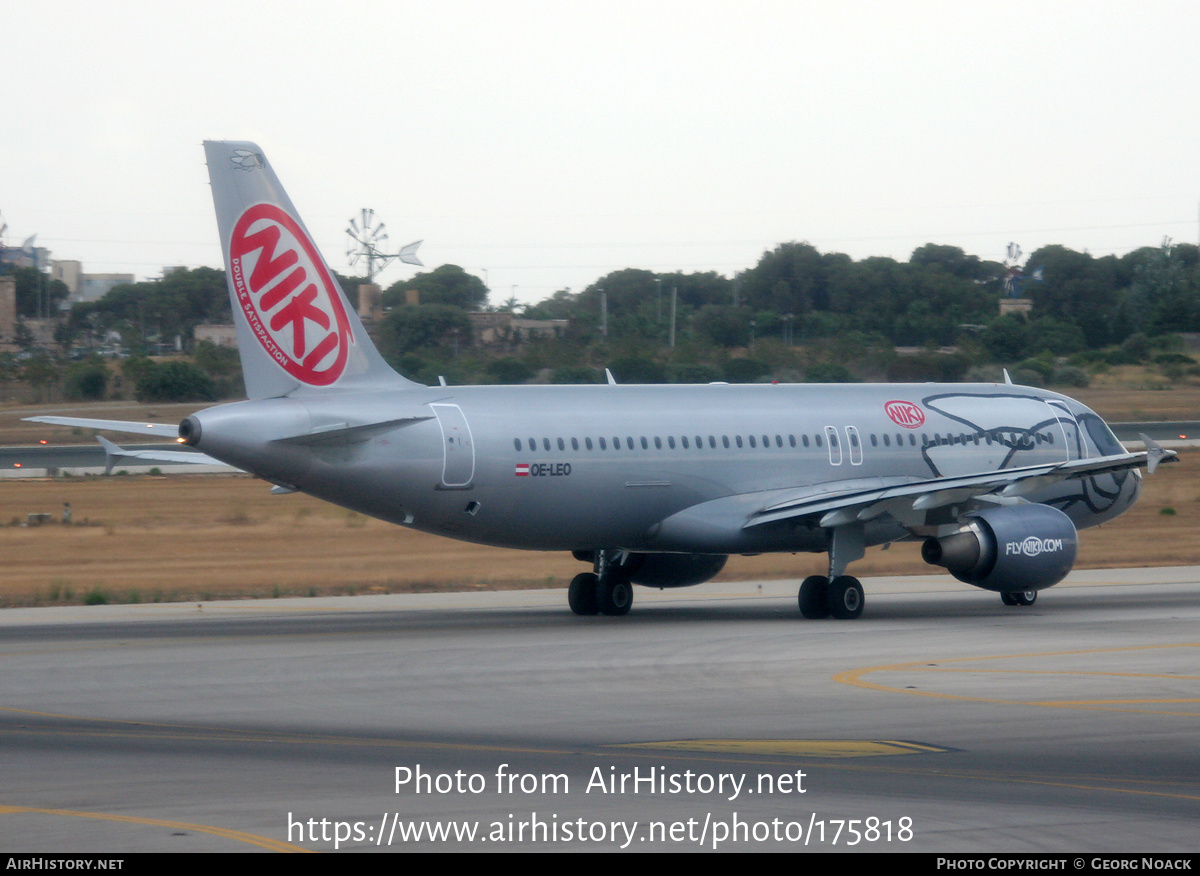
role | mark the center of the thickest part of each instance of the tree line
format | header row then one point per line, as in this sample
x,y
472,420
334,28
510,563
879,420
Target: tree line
x,y
798,314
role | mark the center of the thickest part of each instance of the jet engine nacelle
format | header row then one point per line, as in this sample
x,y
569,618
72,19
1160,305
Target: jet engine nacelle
x,y
1025,547
674,570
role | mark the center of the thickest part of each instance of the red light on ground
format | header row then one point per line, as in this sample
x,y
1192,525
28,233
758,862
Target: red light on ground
x,y
43,441
16,465
1183,436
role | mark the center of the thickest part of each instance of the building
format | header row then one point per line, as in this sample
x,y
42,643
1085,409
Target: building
x,y
93,287
221,335
492,329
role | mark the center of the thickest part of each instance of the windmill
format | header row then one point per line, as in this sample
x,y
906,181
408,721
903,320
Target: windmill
x,y
1015,276
367,239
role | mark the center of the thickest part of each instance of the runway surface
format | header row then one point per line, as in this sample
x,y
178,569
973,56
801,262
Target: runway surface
x,y
939,721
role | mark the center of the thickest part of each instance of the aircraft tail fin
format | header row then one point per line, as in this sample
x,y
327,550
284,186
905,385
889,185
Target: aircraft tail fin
x,y
296,329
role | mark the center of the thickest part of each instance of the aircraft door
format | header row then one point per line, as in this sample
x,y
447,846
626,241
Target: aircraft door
x,y
458,449
835,446
855,442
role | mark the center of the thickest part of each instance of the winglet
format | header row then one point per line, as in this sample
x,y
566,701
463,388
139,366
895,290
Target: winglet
x,y
1155,453
612,381
111,453
1007,379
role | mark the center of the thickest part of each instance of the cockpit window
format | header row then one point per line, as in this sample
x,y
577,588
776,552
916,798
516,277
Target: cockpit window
x,y
1106,442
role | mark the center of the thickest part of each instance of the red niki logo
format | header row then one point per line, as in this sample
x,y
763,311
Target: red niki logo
x,y
288,297
905,414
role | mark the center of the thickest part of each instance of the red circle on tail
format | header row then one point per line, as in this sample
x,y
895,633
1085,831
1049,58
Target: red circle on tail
x,y
284,290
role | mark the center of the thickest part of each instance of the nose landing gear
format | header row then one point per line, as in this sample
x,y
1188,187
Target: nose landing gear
x,y
1019,597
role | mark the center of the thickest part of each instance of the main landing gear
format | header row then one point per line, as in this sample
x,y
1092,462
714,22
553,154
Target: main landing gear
x,y
1019,597
608,590
837,595
841,598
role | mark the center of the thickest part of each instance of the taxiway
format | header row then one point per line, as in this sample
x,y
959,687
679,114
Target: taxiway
x,y
940,721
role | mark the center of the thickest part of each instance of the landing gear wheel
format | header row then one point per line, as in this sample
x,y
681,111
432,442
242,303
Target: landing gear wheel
x,y
812,597
1019,597
581,595
614,597
845,597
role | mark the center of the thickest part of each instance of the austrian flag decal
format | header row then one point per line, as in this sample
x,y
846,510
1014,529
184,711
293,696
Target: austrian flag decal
x,y
522,470
906,414
288,297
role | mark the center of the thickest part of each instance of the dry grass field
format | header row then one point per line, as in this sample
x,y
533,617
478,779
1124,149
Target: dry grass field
x,y
202,537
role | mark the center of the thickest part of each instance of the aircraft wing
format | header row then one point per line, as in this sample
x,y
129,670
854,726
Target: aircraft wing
x,y
900,500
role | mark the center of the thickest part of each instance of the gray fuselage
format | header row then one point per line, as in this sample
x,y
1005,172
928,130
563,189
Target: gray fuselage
x,y
586,467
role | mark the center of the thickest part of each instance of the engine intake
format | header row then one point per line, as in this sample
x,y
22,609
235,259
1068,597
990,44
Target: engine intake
x,y
1024,547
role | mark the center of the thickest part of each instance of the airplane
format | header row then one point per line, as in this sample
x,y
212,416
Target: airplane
x,y
647,484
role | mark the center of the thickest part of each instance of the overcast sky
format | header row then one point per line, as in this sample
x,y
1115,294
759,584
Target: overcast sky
x,y
550,143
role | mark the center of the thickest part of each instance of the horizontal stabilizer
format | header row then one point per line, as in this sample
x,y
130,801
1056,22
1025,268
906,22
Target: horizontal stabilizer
x,y
113,453
170,431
